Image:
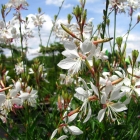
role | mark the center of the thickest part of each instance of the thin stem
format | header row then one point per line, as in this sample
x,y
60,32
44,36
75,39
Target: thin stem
x,y
39,35
10,43
115,13
130,29
110,41
94,33
105,18
9,135
21,42
127,33
21,36
52,29
12,53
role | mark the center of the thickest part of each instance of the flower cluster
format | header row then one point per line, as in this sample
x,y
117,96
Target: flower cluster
x,y
14,97
123,5
111,90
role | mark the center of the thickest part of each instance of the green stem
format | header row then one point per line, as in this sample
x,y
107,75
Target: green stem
x,y
105,18
9,135
21,42
115,13
52,30
131,29
39,35
21,37
12,54
130,24
110,41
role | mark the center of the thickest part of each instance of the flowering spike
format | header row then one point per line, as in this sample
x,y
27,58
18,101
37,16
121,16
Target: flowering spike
x,y
74,111
39,10
69,17
138,19
119,41
102,40
69,32
5,89
135,54
117,81
59,103
84,17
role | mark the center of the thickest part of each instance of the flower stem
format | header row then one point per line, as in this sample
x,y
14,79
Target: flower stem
x,y
115,13
39,35
9,135
52,30
105,18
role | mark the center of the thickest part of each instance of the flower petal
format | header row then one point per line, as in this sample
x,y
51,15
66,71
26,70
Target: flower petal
x,y
88,115
81,91
13,92
115,96
118,107
69,45
72,117
53,134
63,137
101,114
2,98
75,130
66,63
94,88
86,46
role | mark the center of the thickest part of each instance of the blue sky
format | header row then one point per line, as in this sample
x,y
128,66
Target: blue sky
x,y
94,10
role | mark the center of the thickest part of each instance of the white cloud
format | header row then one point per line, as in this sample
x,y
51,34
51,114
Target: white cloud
x,y
58,3
67,5
54,2
90,1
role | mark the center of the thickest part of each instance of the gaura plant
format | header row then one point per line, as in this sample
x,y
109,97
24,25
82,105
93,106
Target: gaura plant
x,y
96,96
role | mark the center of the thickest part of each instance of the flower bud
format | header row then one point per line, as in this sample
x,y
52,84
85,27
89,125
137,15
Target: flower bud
x,y
135,54
102,40
84,17
138,19
74,111
117,81
39,10
69,32
108,22
99,26
77,11
82,2
119,41
69,18
55,17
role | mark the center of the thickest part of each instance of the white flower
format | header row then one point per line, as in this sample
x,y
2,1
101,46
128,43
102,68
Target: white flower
x,y
136,71
5,32
74,130
41,72
131,88
29,95
108,97
74,60
66,128
2,99
66,79
74,28
38,20
135,4
83,94
19,68
17,4
11,99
